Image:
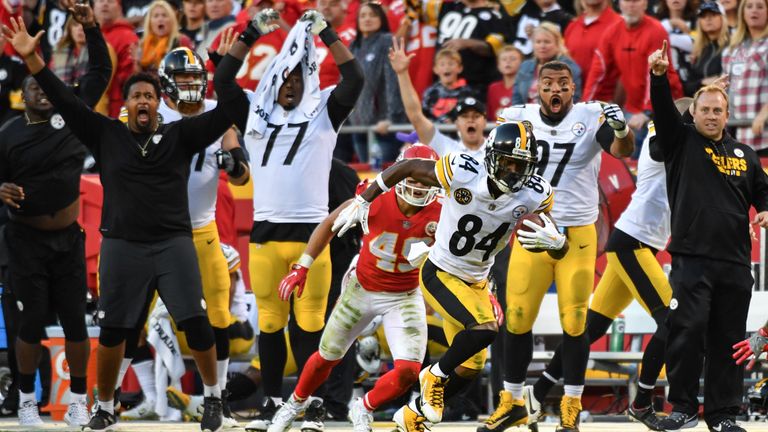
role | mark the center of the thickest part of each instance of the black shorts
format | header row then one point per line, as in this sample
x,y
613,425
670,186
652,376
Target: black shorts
x,y
46,269
130,272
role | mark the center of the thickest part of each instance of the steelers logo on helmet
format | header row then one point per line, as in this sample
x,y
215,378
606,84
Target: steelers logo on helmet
x,y
183,76
510,155
409,190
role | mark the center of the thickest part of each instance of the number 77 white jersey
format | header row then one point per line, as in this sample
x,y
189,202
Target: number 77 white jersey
x,y
474,226
569,157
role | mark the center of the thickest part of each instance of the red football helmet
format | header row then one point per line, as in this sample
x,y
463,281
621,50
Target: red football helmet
x,y
407,189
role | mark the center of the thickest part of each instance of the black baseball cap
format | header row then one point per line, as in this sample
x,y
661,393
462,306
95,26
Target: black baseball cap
x,y
710,6
468,104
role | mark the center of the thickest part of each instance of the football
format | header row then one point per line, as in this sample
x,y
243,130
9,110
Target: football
x,y
533,217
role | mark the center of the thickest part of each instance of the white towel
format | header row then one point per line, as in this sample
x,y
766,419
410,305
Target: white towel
x,y
298,48
160,335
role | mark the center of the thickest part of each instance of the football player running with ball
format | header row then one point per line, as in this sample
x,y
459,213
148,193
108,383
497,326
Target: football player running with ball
x,y
483,203
570,139
381,283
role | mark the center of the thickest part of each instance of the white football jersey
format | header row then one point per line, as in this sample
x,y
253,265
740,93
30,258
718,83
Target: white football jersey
x,y
443,144
569,158
203,181
647,217
474,226
291,165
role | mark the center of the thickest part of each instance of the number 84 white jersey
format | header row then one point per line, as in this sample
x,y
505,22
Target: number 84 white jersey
x,y
474,226
569,157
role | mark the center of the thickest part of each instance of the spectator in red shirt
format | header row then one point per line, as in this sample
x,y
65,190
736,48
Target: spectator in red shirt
x,y
119,34
626,47
500,92
420,40
584,34
335,12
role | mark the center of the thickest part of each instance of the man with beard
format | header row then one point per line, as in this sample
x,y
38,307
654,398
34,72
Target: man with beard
x,y
145,222
40,165
570,137
469,114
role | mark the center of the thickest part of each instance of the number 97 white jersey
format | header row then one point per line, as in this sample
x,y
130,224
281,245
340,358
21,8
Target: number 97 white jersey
x,y
569,157
474,226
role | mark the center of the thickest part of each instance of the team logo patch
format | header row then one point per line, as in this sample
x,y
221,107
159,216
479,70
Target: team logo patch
x,y
462,196
101,314
431,228
519,211
159,118
20,305
156,139
57,121
673,304
369,57
738,152
3,74
406,224
578,129
203,304
484,15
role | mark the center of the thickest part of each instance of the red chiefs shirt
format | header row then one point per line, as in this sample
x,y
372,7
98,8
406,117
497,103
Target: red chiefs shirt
x,y
382,265
499,97
256,61
421,41
329,72
582,38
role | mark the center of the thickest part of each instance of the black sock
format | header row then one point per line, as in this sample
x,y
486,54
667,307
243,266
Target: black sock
x,y
77,384
518,353
27,382
455,385
542,387
575,357
643,398
303,344
240,387
221,336
272,355
466,344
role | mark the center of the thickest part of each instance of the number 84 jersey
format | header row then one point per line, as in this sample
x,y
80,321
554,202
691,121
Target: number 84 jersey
x,y
474,226
569,156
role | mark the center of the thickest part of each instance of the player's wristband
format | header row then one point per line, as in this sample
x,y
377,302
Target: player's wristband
x,y
328,35
305,261
240,161
380,182
621,133
250,35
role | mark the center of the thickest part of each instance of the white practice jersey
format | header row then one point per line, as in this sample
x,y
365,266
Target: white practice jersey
x,y
204,175
473,225
569,158
291,165
443,144
647,218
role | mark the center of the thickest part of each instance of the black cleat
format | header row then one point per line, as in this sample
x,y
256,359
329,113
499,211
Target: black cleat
x,y
726,425
645,416
212,415
314,417
101,421
677,421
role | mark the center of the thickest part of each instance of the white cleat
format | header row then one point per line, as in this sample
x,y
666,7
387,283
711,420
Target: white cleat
x,y
360,417
230,423
28,414
532,405
143,411
77,413
286,414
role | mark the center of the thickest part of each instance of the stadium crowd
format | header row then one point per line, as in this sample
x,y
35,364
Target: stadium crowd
x,y
168,101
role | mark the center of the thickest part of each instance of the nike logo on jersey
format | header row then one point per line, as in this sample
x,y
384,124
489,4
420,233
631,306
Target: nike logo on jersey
x,y
582,246
209,241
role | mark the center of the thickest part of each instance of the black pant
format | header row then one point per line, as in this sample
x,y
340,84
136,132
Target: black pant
x,y
708,314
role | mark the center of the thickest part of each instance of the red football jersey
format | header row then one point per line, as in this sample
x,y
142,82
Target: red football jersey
x,y
382,265
499,97
421,41
256,61
329,72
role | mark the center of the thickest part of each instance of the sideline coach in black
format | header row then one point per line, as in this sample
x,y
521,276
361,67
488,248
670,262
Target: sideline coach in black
x,y
712,181
145,222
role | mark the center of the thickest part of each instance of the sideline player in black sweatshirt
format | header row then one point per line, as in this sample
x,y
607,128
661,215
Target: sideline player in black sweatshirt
x,y
712,181
40,165
145,222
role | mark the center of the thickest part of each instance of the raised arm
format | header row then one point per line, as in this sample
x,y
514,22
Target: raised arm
x,y
400,62
667,120
80,119
96,80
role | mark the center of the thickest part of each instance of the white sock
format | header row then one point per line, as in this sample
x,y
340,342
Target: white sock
x,y
213,390
573,390
25,397
74,397
435,369
108,406
145,373
515,388
123,369
221,372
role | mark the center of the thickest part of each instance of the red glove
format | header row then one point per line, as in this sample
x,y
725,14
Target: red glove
x,y
498,311
293,280
755,345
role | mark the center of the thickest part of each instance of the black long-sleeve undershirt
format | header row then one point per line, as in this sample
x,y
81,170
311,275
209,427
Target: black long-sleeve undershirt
x,y
145,197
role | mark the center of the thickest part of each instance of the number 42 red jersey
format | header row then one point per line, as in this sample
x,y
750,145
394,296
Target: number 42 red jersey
x,y
382,265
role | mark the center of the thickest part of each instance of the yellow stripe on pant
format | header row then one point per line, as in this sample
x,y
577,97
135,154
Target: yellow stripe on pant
x,y
268,263
531,274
